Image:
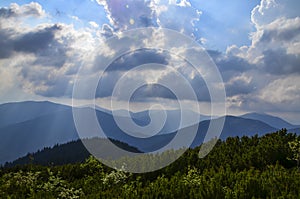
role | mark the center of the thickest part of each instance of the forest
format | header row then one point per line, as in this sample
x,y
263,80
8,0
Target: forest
x,y
238,167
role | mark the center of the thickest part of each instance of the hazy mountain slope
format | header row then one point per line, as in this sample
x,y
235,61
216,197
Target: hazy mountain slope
x,y
76,152
273,121
296,130
234,126
56,126
11,113
29,136
71,152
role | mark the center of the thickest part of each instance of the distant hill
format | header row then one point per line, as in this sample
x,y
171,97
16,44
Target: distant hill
x,y
296,130
234,126
12,113
273,121
24,131
72,152
31,135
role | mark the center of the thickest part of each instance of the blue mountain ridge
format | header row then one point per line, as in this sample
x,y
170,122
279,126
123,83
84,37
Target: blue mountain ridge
x,y
30,126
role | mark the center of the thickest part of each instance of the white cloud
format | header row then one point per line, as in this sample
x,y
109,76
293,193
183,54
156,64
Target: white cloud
x,y
263,75
44,59
284,93
274,56
269,10
32,9
176,15
94,24
75,18
275,42
129,14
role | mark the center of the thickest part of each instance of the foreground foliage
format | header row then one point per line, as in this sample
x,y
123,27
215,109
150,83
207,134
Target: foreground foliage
x,y
256,167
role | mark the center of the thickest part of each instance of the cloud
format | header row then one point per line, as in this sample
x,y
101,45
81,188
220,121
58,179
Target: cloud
x,y
6,46
279,62
40,41
37,40
239,85
257,76
32,9
280,95
233,63
152,91
107,31
137,58
269,10
46,57
275,43
54,52
131,68
274,58
177,15
94,24
45,82
284,90
129,14
52,70
11,25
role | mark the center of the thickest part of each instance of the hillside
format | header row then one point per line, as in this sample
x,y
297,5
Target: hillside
x,y
270,120
48,124
72,152
238,167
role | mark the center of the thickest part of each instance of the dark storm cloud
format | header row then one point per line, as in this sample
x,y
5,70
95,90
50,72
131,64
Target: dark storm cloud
x,y
108,82
145,56
278,46
229,62
6,13
33,42
134,59
45,83
214,54
232,69
288,33
278,62
233,63
13,40
59,87
239,87
42,43
6,45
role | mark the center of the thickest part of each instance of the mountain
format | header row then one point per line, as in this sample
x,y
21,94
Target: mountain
x,y
173,118
270,120
296,130
75,151
24,131
29,136
71,152
12,113
57,127
233,126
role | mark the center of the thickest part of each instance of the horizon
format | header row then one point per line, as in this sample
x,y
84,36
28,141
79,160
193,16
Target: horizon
x,y
138,111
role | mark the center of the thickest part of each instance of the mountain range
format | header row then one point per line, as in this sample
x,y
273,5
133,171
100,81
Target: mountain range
x,y
26,127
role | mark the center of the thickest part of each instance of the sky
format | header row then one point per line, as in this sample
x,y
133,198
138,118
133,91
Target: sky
x,y
255,46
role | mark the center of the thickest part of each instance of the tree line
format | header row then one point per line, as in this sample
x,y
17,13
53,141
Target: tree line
x,y
238,167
